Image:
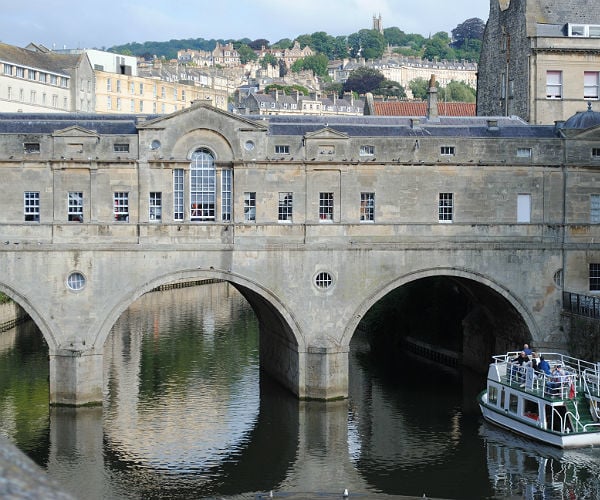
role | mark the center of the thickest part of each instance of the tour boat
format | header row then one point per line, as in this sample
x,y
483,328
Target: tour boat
x,y
560,408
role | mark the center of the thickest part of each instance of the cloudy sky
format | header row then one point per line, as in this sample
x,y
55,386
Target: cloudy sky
x,y
104,23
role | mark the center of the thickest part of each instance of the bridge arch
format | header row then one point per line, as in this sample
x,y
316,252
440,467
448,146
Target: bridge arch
x,y
281,342
463,278
31,311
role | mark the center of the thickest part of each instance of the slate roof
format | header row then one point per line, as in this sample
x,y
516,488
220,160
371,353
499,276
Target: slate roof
x,y
46,123
389,126
48,61
419,108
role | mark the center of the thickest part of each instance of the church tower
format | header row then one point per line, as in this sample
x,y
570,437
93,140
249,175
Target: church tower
x,y
378,24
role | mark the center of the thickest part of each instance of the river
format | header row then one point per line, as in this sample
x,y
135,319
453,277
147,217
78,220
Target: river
x,y
188,414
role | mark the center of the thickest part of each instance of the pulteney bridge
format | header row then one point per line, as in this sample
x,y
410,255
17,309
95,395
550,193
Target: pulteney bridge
x,y
312,219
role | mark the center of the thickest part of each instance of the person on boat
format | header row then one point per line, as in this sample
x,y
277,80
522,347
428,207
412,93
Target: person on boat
x,y
534,360
527,350
557,380
521,359
543,366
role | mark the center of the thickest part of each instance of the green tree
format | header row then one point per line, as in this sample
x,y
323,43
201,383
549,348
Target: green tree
x,y
471,29
363,80
258,44
284,43
369,44
246,54
340,47
420,87
394,36
438,47
390,88
458,92
269,60
303,40
316,63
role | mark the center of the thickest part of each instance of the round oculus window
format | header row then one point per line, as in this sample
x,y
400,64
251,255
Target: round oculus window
x,y
76,281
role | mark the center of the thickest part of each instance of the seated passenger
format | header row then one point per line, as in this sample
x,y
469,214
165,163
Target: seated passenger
x,y
543,366
527,350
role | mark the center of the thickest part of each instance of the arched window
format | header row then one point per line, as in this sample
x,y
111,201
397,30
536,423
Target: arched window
x,y
202,185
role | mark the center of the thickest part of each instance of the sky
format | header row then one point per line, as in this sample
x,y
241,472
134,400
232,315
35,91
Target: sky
x,y
105,23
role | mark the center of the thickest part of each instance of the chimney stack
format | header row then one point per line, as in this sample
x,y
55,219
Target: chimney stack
x,y
432,101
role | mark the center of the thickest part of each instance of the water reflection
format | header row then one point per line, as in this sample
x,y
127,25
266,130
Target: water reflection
x,y
187,414
520,468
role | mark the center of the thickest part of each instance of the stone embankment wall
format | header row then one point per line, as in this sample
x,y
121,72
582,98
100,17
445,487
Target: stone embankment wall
x,y
11,314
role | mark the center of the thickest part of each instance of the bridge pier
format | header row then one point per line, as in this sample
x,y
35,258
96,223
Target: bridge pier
x,y
76,377
326,376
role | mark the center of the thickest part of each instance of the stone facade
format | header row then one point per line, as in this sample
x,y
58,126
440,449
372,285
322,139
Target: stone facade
x,y
314,219
540,59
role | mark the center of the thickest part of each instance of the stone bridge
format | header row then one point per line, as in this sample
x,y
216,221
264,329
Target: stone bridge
x,y
313,220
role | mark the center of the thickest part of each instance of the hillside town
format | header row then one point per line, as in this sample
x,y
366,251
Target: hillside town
x,y
36,79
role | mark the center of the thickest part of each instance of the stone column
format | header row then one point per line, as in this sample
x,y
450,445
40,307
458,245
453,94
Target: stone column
x,y
326,375
76,377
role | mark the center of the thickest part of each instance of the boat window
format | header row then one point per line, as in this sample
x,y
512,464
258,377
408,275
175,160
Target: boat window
x,y
530,409
513,403
493,395
502,398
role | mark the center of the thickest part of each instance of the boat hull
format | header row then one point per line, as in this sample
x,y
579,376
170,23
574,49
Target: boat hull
x,y
505,420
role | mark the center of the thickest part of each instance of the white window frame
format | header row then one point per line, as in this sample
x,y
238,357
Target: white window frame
x,y
250,206
203,178
367,207
594,277
524,152
447,150
282,149
178,194
446,208
591,84
31,206
226,194
75,206
326,207
155,206
554,84
367,150
285,210
121,206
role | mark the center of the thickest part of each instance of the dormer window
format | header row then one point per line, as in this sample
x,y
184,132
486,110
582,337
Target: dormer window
x,y
583,30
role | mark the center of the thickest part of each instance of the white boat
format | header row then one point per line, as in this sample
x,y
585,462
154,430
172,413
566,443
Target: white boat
x,y
559,409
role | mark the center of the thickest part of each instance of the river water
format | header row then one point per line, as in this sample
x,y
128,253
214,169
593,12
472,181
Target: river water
x,y
187,414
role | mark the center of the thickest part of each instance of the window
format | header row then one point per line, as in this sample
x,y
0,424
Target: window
x,y
250,206
282,150
554,84
323,280
141,88
446,207
8,69
523,152
155,206
326,206
595,208
178,194
524,208
108,85
121,206
121,148
118,85
595,153
513,403
20,72
286,204
590,85
492,395
31,147
594,277
226,193
76,281
366,150
447,150
202,186
31,206
108,102
75,206
367,207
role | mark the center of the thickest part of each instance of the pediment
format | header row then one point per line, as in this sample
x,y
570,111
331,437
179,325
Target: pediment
x,y
326,133
201,115
75,131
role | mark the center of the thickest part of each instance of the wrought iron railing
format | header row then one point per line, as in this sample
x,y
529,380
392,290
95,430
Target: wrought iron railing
x,y
583,305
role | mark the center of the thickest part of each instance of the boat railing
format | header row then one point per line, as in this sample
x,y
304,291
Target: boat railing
x,y
591,382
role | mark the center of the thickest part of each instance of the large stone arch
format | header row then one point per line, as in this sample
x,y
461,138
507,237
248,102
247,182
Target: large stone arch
x,y
203,138
279,355
479,278
31,311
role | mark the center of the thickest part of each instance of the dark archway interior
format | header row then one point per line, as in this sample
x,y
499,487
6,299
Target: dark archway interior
x,y
452,313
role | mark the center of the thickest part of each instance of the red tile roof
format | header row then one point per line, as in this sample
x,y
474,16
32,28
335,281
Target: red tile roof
x,y
419,108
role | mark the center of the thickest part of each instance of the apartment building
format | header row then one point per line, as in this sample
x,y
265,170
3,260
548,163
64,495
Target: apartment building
x,y
540,59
